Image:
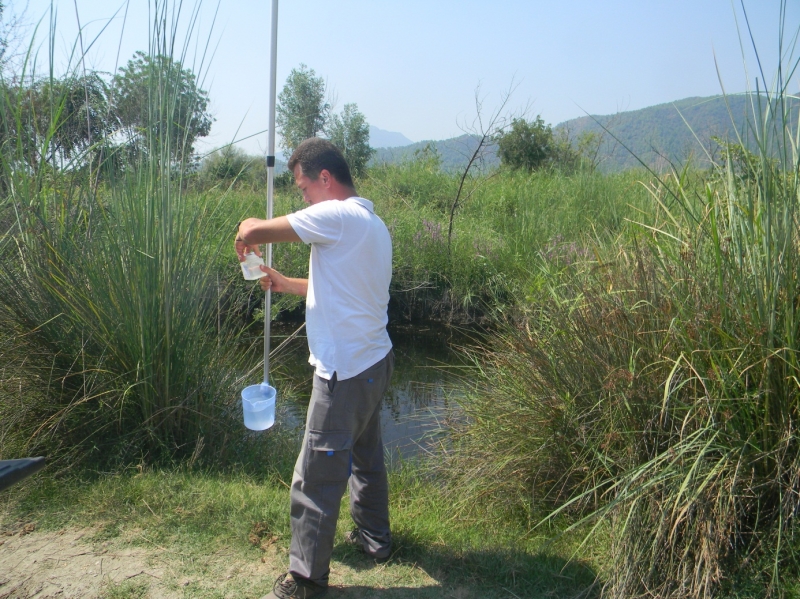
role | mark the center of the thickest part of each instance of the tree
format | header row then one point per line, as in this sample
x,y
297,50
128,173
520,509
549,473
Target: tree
x,y
484,129
76,108
159,105
3,35
13,39
350,133
228,164
302,110
53,120
527,145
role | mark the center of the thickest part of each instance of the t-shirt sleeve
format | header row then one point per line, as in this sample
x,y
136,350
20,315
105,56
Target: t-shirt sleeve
x,y
320,223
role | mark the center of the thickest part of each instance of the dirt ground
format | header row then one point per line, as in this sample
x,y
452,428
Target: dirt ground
x,y
63,564
72,564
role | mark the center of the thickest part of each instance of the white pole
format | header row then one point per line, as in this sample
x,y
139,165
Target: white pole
x,y
273,56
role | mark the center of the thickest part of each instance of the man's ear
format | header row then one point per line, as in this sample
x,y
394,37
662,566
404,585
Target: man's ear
x,y
326,177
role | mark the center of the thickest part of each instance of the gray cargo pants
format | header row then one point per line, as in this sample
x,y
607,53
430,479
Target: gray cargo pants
x,y
342,441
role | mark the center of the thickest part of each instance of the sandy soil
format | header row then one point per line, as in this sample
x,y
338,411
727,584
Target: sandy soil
x,y
64,565
72,564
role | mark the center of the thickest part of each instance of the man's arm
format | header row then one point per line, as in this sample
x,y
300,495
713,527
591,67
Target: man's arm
x,y
255,231
281,284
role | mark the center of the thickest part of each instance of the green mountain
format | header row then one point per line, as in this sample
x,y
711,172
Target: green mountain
x,y
658,135
453,153
668,133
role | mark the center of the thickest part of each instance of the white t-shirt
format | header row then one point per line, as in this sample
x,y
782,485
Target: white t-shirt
x,y
348,285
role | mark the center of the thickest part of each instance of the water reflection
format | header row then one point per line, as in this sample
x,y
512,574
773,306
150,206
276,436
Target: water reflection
x,y
422,396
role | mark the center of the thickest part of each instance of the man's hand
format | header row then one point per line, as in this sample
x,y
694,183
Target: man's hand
x,y
241,246
281,284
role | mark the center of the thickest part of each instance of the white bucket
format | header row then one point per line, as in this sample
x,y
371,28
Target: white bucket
x,y
258,406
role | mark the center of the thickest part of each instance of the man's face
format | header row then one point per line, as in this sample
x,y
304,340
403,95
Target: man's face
x,y
314,191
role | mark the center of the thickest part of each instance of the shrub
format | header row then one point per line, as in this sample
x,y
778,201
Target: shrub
x,y
227,164
655,387
527,145
111,309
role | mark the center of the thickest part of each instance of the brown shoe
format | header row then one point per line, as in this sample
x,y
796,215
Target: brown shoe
x,y
288,587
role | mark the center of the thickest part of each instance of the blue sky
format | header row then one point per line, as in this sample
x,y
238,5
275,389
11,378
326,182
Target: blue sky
x,y
414,66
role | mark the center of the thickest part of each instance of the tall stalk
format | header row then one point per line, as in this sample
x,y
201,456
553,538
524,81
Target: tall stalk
x,y
110,291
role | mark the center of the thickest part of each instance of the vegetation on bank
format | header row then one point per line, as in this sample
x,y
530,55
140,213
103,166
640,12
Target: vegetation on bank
x,y
195,514
637,383
652,386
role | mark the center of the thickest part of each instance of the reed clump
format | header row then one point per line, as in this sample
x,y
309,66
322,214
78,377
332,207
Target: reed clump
x,y
113,315
651,390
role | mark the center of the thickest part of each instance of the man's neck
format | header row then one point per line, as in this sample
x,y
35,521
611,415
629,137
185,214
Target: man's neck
x,y
343,192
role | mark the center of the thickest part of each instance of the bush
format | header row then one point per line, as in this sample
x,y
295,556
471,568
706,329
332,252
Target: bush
x,y
112,311
654,386
527,145
227,164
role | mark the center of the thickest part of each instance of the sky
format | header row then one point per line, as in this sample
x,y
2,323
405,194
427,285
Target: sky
x,y
416,66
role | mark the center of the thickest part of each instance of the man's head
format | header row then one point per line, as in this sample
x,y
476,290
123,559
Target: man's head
x,y
317,163
316,154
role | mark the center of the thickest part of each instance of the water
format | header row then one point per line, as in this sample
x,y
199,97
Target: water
x,y
261,419
422,397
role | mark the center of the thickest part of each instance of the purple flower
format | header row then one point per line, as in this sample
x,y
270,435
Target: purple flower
x,y
434,231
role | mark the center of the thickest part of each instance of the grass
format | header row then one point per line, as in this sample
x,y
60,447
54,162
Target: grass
x,y
511,217
498,229
649,385
125,330
122,327
634,400
188,519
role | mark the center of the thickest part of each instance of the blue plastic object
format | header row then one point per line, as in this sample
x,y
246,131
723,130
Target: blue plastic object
x,y
13,471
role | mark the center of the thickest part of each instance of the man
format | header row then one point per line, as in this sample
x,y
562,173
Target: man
x,y
347,295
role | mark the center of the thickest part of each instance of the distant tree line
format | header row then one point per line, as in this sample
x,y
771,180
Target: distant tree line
x,y
152,103
302,112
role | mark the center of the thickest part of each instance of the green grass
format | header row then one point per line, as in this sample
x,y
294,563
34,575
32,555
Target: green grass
x,y
187,517
127,590
509,219
634,401
123,315
649,384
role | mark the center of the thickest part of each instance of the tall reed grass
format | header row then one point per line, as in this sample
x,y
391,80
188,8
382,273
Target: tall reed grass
x,y
111,306
651,390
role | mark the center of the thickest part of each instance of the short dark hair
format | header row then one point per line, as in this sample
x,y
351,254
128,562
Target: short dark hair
x,y
315,154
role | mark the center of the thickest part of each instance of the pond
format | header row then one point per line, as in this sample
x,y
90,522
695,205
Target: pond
x,y
422,398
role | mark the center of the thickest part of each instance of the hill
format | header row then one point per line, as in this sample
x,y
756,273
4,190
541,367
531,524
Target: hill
x,y
380,138
665,133
453,153
658,135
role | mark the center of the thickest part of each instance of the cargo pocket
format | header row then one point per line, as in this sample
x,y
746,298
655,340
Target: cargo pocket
x,y
328,456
